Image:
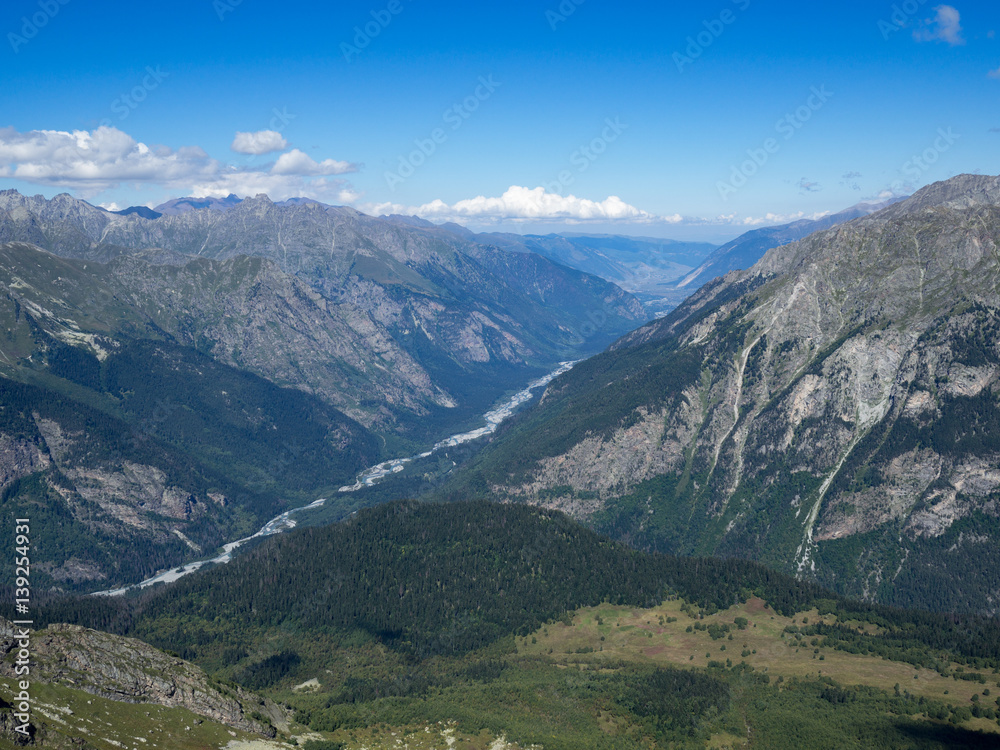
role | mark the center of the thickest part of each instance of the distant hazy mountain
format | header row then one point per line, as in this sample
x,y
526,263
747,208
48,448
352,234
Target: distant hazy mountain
x,y
750,247
183,205
143,211
300,202
643,266
456,322
416,221
661,273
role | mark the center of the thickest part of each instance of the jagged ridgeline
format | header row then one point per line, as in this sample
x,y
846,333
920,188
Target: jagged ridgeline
x,y
401,326
832,412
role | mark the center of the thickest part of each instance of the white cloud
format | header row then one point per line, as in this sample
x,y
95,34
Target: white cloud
x,y
91,162
297,162
261,142
946,26
521,203
94,160
767,219
994,73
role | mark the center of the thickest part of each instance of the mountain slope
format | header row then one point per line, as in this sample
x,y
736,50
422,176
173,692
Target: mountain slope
x,y
156,404
439,326
127,444
831,412
76,668
164,455
183,205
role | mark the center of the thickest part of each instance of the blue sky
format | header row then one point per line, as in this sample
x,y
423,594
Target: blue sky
x,y
693,120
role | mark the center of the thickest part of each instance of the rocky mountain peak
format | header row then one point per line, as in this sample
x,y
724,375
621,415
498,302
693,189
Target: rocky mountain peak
x,y
963,191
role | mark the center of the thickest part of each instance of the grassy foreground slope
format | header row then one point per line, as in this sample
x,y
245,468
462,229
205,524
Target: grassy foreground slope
x,y
68,719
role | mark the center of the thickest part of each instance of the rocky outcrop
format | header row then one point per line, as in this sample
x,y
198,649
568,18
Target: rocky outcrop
x,y
19,458
133,493
130,671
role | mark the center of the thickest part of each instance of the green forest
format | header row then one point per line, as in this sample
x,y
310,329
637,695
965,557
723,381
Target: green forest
x,y
416,613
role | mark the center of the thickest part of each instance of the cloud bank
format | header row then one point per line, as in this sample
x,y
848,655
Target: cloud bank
x,y
90,162
522,203
297,162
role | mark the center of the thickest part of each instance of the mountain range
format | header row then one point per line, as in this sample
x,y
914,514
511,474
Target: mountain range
x,y
644,266
171,383
661,273
825,418
427,313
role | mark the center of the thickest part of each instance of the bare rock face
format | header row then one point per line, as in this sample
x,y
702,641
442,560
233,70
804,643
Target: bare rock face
x,y
130,492
261,319
130,671
835,411
19,458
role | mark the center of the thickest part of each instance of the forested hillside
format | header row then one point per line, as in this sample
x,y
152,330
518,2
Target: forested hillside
x,y
475,615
